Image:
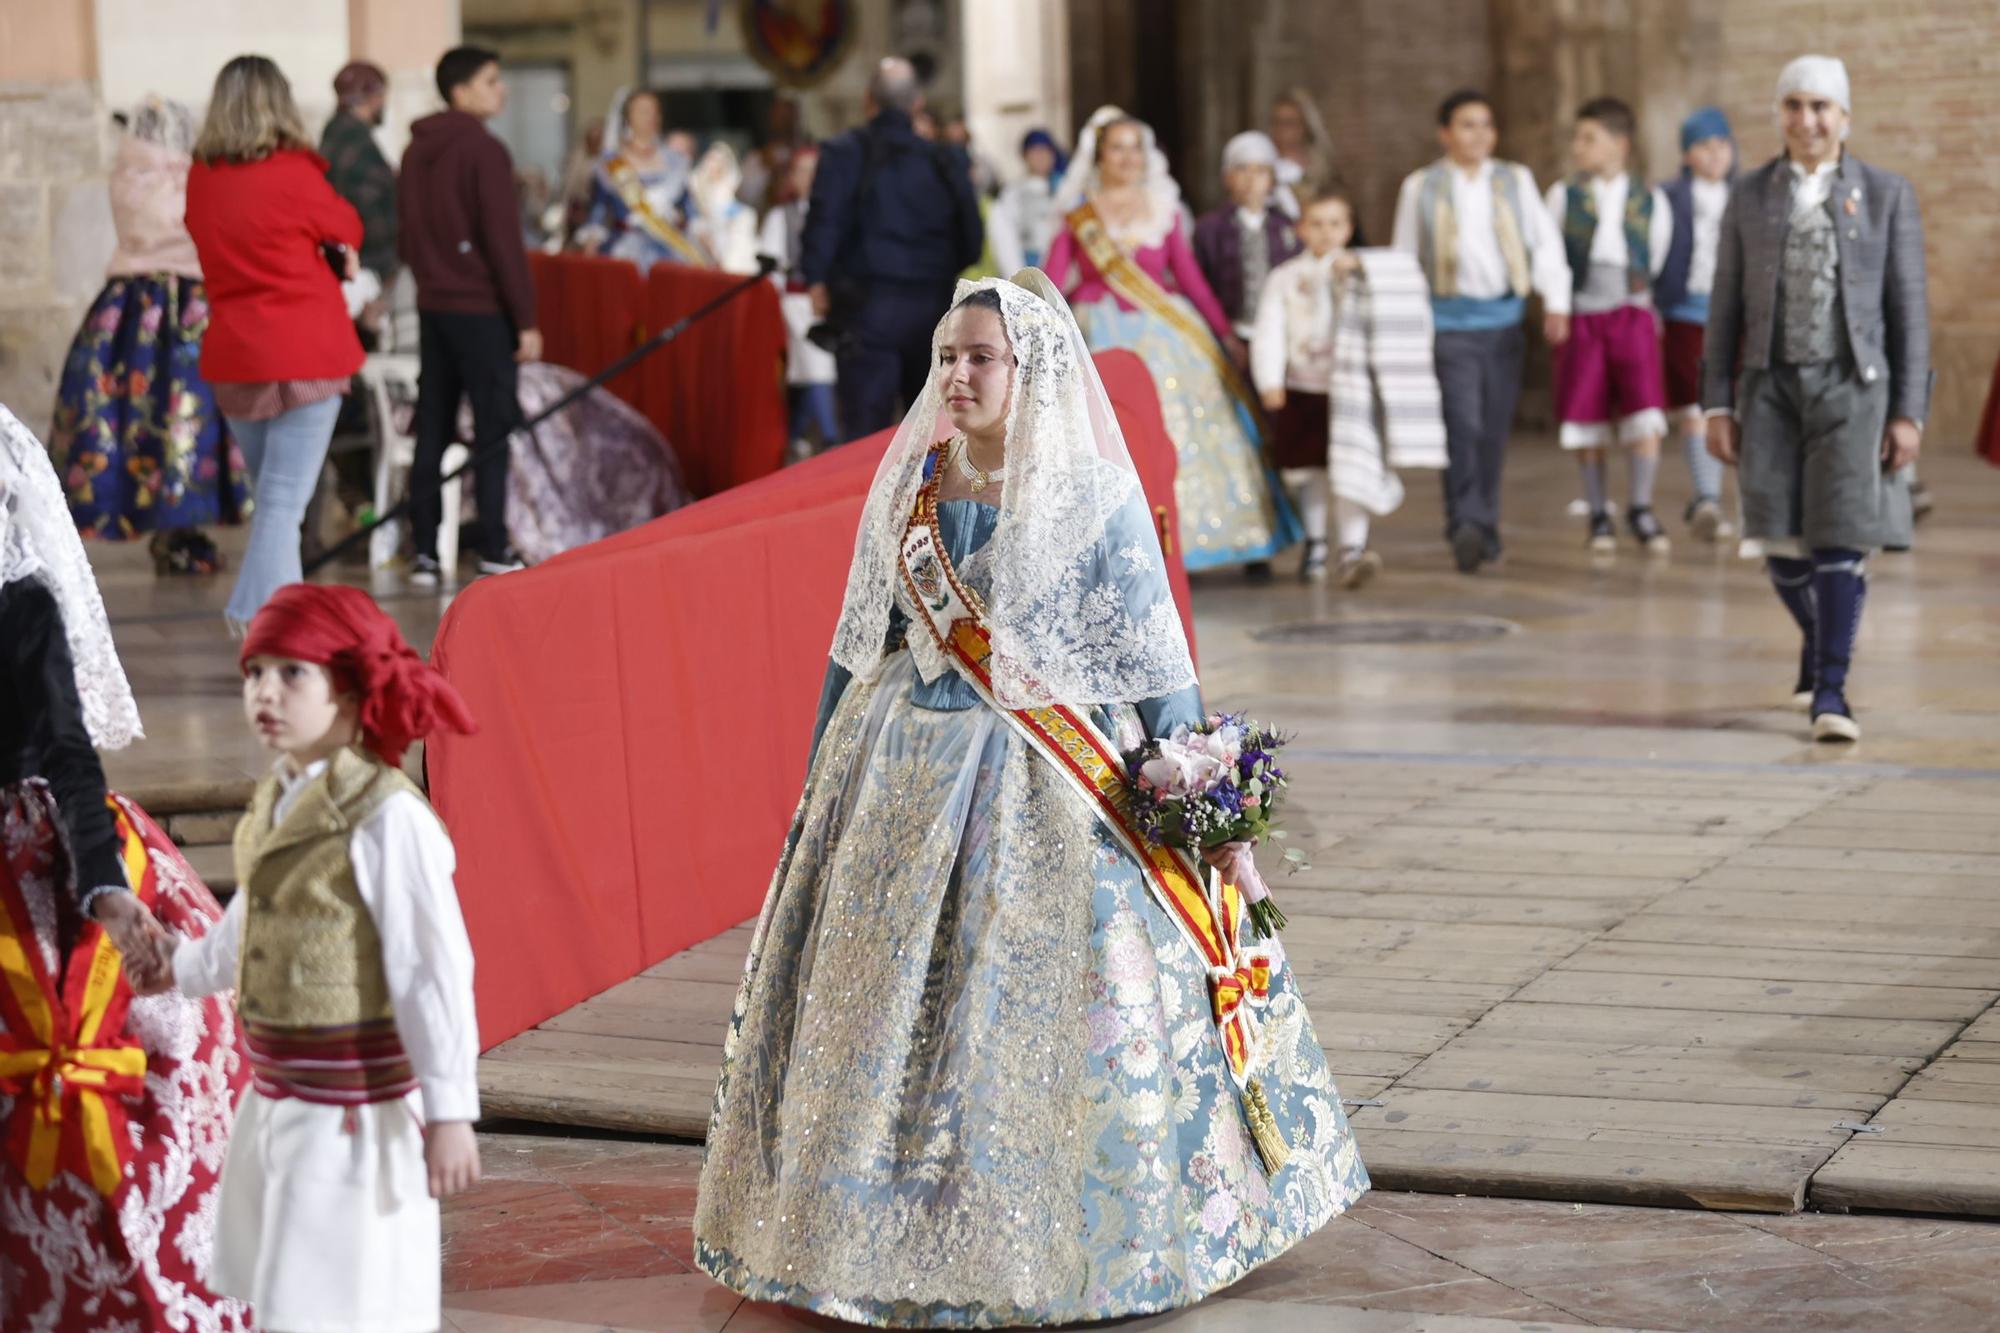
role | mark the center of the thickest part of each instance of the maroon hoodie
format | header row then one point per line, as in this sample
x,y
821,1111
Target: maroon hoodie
x,y
458,230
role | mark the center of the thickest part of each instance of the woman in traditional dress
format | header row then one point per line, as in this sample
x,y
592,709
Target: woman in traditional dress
x,y
987,1065
1305,150
723,226
638,195
1121,255
114,1110
144,448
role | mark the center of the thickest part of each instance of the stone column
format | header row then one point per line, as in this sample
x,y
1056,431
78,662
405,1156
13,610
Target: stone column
x,y
55,217
404,37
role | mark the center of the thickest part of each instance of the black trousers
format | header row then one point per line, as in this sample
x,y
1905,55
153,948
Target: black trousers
x,y
886,355
464,356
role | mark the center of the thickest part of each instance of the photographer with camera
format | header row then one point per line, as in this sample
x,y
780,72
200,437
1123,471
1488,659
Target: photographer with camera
x,y
892,222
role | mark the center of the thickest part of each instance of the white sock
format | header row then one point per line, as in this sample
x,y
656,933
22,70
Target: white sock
x,y
1352,520
1314,490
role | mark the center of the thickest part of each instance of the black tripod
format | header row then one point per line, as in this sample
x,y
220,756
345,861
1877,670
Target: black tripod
x,y
485,447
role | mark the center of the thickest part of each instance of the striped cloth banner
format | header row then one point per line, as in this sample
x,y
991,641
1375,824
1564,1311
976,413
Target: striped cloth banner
x,y
1384,382
337,1066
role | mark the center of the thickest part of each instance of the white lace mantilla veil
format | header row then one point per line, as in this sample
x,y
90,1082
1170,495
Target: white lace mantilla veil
x,y
38,540
1063,632
1080,181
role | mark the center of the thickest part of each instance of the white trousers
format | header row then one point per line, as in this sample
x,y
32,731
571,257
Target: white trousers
x,y
326,1229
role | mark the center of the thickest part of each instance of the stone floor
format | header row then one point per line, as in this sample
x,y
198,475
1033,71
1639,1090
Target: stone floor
x,y
579,1235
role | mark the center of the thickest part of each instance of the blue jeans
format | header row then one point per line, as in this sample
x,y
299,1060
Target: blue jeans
x,y
284,455
812,410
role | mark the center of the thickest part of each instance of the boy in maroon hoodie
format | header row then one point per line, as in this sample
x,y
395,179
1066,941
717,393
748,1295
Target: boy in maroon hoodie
x,y
461,238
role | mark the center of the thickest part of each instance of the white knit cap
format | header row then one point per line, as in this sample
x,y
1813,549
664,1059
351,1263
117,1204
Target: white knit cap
x,y
1252,148
1824,75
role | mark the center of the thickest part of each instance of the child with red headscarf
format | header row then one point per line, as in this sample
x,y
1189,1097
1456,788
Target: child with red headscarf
x,y
354,981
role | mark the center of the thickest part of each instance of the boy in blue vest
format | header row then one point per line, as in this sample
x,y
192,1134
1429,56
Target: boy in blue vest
x,y
1696,197
1616,234
1472,222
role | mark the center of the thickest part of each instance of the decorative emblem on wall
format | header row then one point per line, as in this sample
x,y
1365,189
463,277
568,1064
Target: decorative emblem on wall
x,y
799,41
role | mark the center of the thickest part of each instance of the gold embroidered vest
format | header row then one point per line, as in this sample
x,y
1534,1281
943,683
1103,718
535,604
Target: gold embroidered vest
x,y
311,956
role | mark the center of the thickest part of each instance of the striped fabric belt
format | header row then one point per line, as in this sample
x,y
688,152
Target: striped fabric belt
x,y
334,1066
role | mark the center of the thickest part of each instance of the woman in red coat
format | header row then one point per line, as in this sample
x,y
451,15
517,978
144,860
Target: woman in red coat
x,y
280,348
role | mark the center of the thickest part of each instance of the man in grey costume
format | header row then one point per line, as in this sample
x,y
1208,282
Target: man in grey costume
x,y
1817,374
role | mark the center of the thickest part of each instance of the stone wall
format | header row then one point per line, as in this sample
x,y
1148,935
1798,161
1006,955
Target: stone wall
x,y
55,233
1922,74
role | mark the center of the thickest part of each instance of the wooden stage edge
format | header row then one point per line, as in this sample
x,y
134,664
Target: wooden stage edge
x,y
1747,992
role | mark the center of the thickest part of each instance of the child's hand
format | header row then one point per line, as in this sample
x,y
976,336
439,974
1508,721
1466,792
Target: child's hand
x,y
1349,262
1274,400
451,1156
143,943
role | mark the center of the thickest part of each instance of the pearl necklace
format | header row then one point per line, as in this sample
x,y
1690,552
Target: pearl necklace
x,y
962,451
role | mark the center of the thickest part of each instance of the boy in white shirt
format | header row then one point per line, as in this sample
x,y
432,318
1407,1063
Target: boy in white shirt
x,y
1696,197
1473,222
1615,233
353,980
1291,363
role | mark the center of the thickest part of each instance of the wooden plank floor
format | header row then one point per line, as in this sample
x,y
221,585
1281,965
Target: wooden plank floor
x,y
1587,914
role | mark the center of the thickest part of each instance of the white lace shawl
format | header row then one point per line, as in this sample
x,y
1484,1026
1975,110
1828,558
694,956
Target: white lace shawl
x,y
1064,630
1080,182
38,540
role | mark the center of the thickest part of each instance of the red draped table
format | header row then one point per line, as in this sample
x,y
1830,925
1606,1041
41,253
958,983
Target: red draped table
x,y
645,707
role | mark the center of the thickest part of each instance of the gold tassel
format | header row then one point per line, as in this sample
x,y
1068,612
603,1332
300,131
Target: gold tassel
x,y
1271,1144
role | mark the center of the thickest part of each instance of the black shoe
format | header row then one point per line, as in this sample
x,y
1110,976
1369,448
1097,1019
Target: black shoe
x,y
1313,567
1645,526
506,563
1832,720
1603,533
425,571
1490,547
1468,548
1258,571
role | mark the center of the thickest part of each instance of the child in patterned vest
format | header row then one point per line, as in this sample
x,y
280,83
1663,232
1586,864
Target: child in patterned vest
x,y
1616,232
353,980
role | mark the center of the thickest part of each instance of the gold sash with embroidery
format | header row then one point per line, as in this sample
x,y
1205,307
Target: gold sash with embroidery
x,y
1123,275
631,189
1089,763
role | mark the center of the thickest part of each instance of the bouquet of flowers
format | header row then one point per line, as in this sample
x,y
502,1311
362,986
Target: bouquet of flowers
x,y
1211,784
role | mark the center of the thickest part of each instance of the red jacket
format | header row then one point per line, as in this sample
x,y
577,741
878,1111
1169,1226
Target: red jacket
x,y
275,309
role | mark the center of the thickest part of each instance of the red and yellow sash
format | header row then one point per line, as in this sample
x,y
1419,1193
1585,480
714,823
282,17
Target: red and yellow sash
x,y
632,190
1123,275
64,1056
1090,764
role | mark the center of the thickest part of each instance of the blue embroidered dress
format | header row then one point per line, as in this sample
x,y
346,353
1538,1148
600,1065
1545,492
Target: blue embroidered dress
x,y
972,1079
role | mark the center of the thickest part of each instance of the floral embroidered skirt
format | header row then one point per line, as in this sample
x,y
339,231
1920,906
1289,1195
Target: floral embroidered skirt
x,y
1233,508
972,1079
137,432
72,1260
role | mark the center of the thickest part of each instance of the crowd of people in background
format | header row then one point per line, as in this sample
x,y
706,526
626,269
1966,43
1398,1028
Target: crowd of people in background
x,y
1300,370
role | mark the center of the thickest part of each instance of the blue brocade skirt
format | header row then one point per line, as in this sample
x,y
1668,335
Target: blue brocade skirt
x,y
972,1079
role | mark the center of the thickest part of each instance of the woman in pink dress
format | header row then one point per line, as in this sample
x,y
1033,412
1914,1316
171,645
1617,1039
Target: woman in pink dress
x,y
1121,256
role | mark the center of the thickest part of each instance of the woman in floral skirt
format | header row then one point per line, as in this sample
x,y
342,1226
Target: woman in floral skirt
x,y
143,447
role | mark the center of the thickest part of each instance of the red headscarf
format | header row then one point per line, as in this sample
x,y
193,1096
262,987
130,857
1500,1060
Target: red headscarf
x,y
342,629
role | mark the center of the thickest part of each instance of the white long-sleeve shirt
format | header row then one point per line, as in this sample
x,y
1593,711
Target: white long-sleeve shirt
x,y
1482,269
403,864
1291,342
1608,246
1710,198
